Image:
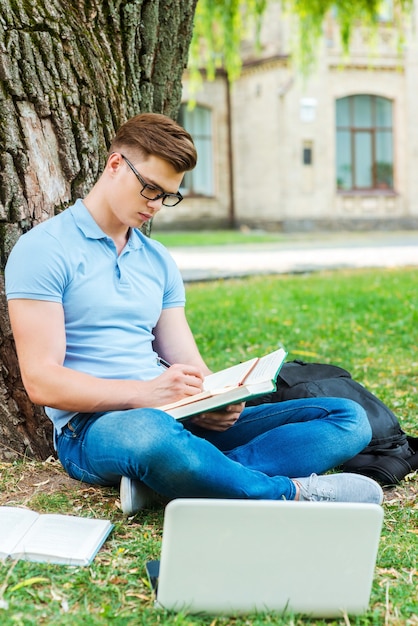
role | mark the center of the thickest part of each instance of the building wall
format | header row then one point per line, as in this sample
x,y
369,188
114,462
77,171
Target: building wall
x,y
275,113
270,133
410,127
215,210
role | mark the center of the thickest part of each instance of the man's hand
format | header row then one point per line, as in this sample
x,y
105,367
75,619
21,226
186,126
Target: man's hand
x,y
219,420
175,383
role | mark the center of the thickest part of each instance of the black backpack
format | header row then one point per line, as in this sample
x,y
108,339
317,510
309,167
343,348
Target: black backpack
x,y
391,454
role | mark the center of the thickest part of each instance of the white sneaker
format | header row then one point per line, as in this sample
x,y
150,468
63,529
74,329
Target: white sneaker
x,y
135,495
339,488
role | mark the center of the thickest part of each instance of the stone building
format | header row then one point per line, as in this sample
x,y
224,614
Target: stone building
x,y
335,150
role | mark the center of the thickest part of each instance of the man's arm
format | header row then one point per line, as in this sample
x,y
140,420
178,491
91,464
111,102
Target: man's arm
x,y
174,342
39,332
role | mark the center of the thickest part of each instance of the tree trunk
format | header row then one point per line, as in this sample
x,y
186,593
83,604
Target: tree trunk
x,y
71,71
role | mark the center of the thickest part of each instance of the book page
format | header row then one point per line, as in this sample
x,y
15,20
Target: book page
x,y
229,377
267,367
63,538
14,523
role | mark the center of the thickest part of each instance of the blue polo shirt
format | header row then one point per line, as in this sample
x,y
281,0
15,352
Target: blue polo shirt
x,y
111,303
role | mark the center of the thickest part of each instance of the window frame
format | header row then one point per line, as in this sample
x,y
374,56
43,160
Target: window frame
x,y
374,131
203,139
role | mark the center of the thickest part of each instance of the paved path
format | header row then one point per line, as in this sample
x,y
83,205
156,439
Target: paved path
x,y
299,253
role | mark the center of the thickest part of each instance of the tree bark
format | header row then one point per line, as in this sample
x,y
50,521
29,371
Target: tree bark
x,y
71,71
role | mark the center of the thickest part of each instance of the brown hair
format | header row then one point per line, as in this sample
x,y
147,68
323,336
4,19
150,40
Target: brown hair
x,y
153,134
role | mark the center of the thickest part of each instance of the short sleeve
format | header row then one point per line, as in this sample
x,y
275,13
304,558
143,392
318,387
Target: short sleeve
x,y
36,269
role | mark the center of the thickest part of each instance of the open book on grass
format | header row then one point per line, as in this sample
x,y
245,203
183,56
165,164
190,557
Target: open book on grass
x,y
233,384
62,539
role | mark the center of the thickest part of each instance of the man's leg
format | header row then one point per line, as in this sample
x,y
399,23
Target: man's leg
x,y
294,438
150,446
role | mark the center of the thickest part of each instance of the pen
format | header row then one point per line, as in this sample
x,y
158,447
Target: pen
x,y
163,362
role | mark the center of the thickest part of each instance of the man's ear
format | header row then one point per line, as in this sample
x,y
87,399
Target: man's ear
x,y
114,162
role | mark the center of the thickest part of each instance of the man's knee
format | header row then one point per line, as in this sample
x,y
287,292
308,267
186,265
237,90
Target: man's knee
x,y
357,421
134,430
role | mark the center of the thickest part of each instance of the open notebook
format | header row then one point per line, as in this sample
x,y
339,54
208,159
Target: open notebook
x,y
243,556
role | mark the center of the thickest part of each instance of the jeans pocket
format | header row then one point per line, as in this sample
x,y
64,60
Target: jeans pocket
x,y
77,424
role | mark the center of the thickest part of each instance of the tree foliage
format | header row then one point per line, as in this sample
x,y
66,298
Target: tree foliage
x,y
218,31
220,24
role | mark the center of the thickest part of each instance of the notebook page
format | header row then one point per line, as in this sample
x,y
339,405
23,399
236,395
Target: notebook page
x,y
14,523
229,377
266,368
65,537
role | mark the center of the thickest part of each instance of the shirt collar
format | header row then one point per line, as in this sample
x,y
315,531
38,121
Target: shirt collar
x,y
91,230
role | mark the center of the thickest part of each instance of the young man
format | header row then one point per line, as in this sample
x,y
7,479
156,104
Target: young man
x,y
92,304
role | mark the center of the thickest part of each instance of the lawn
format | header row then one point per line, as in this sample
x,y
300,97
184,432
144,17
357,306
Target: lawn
x,y
365,321
217,237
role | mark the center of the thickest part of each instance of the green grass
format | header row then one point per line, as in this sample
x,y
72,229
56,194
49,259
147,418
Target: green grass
x,y
366,321
215,237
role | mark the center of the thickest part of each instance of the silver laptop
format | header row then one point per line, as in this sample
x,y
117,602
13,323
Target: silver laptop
x,y
244,556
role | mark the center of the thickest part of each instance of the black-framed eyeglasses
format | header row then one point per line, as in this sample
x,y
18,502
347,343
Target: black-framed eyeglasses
x,y
151,192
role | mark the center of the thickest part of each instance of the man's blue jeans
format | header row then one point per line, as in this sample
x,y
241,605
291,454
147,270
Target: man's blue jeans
x,y
255,458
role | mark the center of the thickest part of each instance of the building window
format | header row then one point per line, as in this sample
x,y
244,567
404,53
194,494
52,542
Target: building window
x,y
307,153
198,122
364,143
